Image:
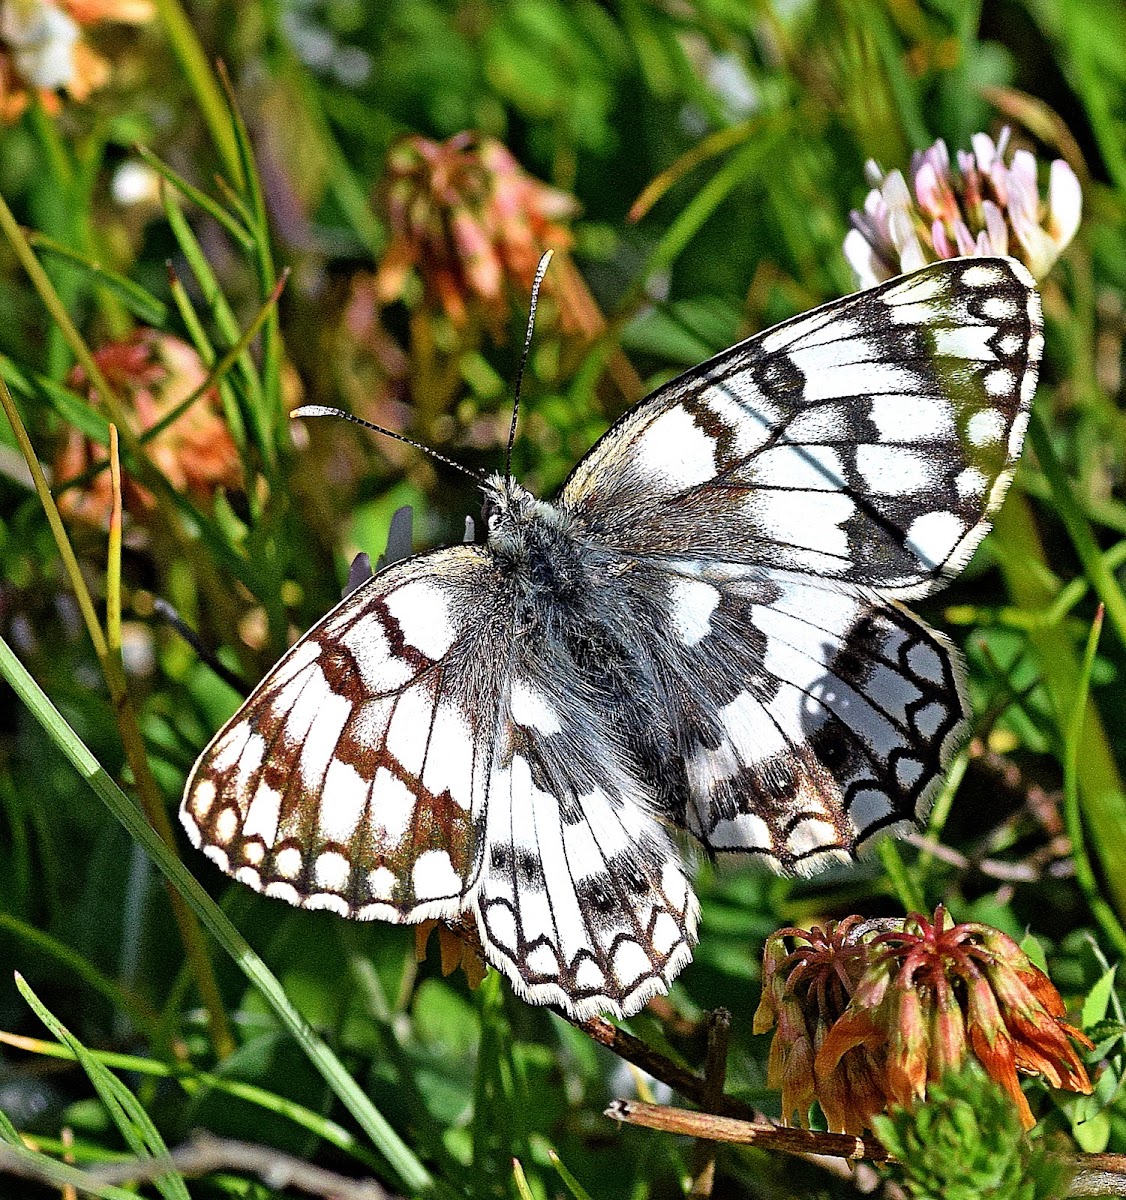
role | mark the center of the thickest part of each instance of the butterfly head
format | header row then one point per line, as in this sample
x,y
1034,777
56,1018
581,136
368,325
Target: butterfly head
x,y
511,513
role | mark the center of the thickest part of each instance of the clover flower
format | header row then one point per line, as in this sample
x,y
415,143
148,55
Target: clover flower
x,y
152,372
866,1014
466,219
43,50
982,205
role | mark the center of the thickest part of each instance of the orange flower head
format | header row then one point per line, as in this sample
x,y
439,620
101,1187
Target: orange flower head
x,y
891,1007
805,990
466,220
152,373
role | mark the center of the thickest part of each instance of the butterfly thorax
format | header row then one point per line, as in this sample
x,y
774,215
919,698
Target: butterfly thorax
x,y
532,540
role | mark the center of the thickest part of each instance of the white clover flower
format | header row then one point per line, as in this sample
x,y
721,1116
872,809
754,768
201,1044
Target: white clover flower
x,y
982,206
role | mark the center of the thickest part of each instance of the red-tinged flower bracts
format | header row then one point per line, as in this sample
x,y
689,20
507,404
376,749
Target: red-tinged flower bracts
x,y
988,203
867,1014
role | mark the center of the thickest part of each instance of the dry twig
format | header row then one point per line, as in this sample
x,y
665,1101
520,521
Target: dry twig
x,y
205,1154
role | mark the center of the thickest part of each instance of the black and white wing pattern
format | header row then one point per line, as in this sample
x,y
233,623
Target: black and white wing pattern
x,y
355,777
583,900
409,758
782,497
809,717
705,633
866,441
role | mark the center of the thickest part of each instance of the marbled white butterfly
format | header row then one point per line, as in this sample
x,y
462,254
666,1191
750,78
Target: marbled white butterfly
x,y
702,633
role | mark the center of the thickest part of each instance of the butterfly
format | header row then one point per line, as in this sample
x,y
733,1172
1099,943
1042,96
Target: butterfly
x,y
703,633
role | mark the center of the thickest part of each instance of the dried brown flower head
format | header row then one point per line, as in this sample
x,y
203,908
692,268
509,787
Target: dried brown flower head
x,y
866,1014
467,222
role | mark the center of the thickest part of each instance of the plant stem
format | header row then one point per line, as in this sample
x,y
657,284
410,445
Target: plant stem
x,y
193,61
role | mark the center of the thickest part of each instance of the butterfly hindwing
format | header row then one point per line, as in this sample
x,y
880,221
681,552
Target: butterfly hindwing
x,y
818,715
867,441
356,775
583,899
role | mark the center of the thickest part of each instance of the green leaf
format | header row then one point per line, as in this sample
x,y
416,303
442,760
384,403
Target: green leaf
x,y
1092,1133
966,1141
1097,1003
1031,946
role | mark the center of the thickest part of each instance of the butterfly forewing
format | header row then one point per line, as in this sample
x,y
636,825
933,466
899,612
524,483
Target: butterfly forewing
x,y
867,441
704,633
355,777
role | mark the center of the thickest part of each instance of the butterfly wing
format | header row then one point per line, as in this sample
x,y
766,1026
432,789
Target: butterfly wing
x,y
409,758
814,717
583,901
867,441
355,777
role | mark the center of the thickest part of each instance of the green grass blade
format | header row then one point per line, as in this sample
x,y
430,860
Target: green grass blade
x,y
268,416
201,199
1101,788
521,1181
405,1164
28,1164
142,1016
750,158
138,300
220,311
206,350
74,409
134,1124
219,371
570,1182
8,1132
197,71
194,1082
1078,528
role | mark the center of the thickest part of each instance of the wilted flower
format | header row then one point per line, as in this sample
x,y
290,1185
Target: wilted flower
x,y
805,991
43,51
152,372
467,219
867,1013
982,206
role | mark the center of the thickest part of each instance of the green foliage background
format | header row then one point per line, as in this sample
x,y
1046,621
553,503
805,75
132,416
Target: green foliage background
x,y
789,100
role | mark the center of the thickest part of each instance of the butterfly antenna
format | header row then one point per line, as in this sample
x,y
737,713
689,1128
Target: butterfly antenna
x,y
323,410
541,270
